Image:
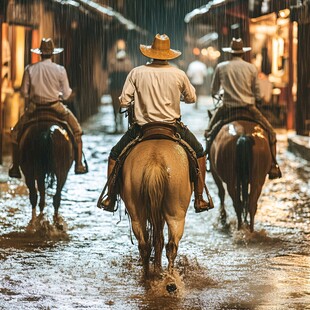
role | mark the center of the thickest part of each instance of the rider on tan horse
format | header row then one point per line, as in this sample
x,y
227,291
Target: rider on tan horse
x,y
156,89
45,84
238,79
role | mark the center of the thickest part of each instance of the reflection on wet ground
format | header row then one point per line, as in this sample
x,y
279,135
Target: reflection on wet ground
x,y
88,261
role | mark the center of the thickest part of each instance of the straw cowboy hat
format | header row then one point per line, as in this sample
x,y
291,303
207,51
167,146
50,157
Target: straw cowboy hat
x,y
47,48
160,49
236,47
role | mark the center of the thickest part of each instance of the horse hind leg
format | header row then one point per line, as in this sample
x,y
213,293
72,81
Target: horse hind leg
x,y
171,252
57,199
254,196
175,229
145,253
158,246
237,207
41,188
144,245
33,196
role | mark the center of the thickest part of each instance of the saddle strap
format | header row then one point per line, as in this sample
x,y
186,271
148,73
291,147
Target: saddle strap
x,y
112,178
110,185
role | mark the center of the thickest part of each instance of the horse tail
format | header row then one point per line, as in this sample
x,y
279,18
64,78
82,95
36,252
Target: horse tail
x,y
155,182
45,146
243,165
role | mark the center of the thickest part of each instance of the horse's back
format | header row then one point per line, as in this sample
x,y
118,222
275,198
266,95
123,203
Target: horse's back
x,y
42,143
223,150
164,155
170,153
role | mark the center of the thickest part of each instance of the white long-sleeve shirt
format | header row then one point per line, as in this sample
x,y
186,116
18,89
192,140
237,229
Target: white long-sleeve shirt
x,y
156,89
239,81
45,82
197,71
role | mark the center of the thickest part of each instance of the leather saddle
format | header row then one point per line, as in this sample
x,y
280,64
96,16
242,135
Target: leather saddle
x,y
154,130
46,116
239,113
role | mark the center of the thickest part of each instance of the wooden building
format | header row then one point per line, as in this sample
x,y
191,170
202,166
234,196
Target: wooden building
x,y
87,30
278,32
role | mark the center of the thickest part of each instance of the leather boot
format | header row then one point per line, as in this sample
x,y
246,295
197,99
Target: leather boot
x,y
79,167
109,203
14,171
200,204
275,172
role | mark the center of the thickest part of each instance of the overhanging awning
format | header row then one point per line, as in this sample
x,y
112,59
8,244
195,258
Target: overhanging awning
x,y
205,9
208,38
254,8
88,6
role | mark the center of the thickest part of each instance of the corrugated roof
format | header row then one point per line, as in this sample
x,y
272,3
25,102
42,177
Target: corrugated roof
x,y
102,10
205,9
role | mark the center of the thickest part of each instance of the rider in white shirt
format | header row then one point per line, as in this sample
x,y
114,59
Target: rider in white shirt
x,y
45,84
197,72
239,81
156,89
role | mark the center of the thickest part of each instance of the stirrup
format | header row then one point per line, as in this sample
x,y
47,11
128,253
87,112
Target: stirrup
x,y
108,204
201,205
80,169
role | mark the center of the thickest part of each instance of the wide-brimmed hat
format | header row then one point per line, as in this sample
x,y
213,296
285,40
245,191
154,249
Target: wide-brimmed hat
x,y
160,49
47,48
236,47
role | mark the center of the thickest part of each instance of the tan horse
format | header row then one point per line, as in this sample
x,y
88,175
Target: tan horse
x,y
240,156
157,190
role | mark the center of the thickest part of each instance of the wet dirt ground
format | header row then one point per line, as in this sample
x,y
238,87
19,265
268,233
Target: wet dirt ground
x,y
91,262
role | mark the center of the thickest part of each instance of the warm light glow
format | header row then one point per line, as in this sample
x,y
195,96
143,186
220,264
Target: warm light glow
x,y
121,45
284,13
204,52
35,42
20,53
211,53
196,51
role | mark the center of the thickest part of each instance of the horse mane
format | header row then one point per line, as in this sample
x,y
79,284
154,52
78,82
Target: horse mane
x,y
155,179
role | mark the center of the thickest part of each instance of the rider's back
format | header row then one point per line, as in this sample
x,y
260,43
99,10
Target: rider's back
x,y
238,79
45,81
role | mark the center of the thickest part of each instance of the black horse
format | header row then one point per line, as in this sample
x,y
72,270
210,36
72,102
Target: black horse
x,y
46,149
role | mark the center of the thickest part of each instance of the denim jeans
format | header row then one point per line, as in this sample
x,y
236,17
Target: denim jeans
x,y
135,130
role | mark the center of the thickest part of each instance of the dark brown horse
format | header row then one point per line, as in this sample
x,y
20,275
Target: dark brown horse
x,y
45,150
240,157
156,191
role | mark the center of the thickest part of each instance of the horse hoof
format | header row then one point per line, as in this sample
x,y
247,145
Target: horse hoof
x,y
171,287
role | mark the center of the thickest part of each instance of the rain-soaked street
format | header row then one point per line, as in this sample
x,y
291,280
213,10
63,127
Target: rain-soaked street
x,y
92,264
